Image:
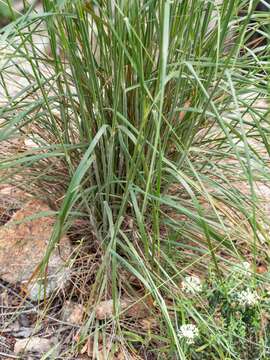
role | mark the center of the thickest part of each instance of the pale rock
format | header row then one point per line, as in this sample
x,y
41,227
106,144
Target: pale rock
x,y
72,313
34,344
23,244
128,308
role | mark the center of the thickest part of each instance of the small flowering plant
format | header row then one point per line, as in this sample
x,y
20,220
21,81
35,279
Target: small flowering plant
x,y
242,270
238,305
192,285
247,298
246,269
189,333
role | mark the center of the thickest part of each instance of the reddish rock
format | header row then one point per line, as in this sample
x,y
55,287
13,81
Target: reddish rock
x,y
23,243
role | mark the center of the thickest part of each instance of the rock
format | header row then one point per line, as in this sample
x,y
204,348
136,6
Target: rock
x,y
11,200
11,328
72,313
18,331
23,243
128,308
29,144
25,332
149,323
34,344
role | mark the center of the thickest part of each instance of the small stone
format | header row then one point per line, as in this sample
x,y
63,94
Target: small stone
x,y
72,313
12,328
33,344
29,144
25,332
23,244
18,331
128,308
24,319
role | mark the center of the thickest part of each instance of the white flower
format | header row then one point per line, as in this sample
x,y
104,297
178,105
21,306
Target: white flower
x,y
191,284
247,298
246,268
189,332
243,269
246,265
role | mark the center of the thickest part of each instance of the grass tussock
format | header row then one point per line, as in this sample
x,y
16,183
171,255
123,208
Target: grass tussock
x,y
145,125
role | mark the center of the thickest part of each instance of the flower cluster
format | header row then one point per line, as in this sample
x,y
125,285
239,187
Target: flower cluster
x,y
188,332
191,284
247,298
246,268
